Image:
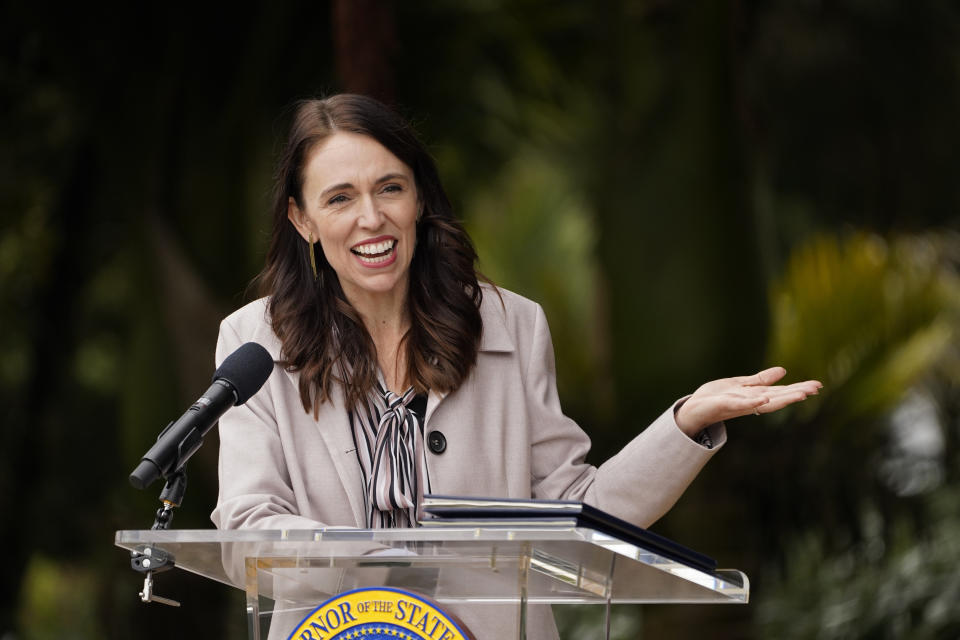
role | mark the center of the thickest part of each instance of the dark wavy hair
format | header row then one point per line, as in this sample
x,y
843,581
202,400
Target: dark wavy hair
x,y
323,336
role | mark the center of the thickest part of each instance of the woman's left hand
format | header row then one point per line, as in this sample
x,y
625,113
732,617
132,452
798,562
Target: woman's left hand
x,y
733,397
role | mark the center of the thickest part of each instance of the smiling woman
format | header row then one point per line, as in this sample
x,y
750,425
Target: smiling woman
x,y
399,374
354,180
360,201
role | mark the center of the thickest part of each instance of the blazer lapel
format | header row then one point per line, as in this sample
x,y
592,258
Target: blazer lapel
x,y
334,428
433,399
495,338
332,425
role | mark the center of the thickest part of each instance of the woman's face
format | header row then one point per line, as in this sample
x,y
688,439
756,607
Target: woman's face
x,y
360,202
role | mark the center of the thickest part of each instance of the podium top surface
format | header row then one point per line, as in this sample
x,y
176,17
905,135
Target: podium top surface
x,y
555,563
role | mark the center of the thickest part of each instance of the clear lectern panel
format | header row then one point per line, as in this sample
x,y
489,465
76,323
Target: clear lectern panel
x,y
294,571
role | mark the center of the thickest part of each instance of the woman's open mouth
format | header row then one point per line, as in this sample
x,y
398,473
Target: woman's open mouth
x,y
376,253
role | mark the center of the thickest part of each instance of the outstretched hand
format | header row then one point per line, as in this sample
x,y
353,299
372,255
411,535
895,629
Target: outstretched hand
x,y
733,397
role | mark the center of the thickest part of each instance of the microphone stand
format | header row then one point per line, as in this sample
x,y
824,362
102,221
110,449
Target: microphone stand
x,y
171,497
150,560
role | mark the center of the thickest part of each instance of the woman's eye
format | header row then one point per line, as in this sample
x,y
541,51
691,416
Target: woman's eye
x,y
337,199
392,188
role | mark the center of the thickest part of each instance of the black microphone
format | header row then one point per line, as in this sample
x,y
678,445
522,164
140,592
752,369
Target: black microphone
x,y
239,377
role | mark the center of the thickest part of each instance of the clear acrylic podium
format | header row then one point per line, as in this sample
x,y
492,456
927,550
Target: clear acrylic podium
x,y
498,575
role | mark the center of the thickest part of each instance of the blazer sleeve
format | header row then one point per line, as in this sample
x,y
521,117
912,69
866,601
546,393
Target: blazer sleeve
x,y
639,484
255,488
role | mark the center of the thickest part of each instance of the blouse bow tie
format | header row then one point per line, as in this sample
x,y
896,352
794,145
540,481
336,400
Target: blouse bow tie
x,y
398,465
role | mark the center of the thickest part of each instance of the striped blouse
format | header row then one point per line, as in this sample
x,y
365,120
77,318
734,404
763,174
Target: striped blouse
x,y
388,436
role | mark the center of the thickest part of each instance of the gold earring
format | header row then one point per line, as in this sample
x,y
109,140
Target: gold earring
x,y
313,257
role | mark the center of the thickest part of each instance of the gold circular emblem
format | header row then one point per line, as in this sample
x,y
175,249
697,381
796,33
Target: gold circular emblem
x,y
378,613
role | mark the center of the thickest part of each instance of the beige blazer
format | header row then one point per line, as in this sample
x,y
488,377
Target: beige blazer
x,y
506,436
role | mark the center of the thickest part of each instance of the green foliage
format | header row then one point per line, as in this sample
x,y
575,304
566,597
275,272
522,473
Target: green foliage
x,y
867,317
875,552
59,601
907,587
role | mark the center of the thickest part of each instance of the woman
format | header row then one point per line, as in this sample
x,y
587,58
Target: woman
x,y
399,374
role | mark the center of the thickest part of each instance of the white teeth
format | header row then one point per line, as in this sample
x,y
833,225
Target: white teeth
x,y
376,260
372,249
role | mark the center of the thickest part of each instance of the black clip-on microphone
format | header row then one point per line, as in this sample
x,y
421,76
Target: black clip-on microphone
x,y
240,376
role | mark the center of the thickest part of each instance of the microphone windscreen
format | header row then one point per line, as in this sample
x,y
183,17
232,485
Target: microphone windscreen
x,y
246,369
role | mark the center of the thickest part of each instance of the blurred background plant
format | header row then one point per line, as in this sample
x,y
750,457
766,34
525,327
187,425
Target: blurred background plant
x,y
691,189
867,493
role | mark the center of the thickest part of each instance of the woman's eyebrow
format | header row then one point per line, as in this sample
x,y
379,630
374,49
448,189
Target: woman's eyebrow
x,y
336,187
391,176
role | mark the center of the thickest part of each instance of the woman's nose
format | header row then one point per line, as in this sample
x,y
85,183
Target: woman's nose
x,y
370,215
